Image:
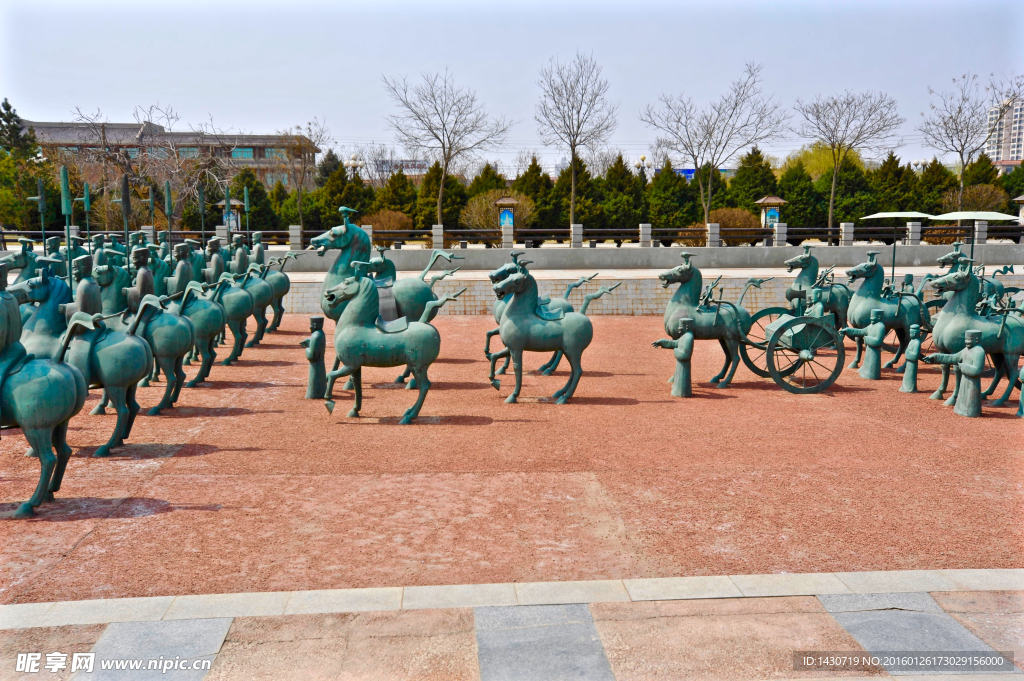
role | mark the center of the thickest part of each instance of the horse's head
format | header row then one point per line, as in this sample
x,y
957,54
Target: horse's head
x,y
336,237
34,290
952,258
514,283
502,272
954,281
865,269
801,261
679,274
347,290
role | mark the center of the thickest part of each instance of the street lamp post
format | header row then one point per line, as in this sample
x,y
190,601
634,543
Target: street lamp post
x,y
641,165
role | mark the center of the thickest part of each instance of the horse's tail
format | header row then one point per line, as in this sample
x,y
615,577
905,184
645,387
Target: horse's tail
x,y
434,304
1005,269
924,282
752,282
444,273
433,258
594,296
576,284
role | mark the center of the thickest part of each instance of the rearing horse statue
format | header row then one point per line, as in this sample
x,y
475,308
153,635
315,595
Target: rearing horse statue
x,y
721,320
899,310
834,297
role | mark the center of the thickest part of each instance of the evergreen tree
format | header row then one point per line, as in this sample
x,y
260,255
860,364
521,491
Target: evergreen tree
x,y
398,193
854,198
1013,185
589,212
358,194
12,139
754,180
328,165
623,203
488,179
980,171
426,203
672,202
537,185
330,197
894,186
717,184
805,207
261,210
935,181
278,195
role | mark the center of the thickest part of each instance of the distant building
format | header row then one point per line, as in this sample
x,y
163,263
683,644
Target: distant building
x,y
263,153
1006,145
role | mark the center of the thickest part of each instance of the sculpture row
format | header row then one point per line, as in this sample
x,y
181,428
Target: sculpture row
x,y
127,319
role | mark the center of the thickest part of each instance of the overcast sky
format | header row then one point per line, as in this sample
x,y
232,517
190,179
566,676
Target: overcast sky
x,y
261,66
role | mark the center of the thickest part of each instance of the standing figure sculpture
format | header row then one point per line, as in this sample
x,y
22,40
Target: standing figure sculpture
x,y
182,275
238,255
873,335
53,252
87,292
160,269
198,260
969,364
316,346
913,354
258,254
682,349
211,274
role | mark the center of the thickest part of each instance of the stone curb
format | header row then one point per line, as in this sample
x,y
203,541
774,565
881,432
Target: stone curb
x,y
105,611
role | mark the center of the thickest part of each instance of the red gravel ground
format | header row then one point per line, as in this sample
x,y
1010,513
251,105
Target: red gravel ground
x,y
246,486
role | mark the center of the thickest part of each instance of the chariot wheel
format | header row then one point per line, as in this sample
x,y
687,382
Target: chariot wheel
x,y
755,355
814,367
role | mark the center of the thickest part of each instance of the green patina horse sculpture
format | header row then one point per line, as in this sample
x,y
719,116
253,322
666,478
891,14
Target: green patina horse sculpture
x,y
361,339
281,284
551,304
238,306
900,310
528,326
207,317
834,297
1002,335
38,395
109,359
262,296
720,320
23,260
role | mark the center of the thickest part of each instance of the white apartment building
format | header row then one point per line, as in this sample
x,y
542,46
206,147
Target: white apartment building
x,y
1006,145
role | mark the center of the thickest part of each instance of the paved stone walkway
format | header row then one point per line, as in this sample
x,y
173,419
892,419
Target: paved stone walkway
x,y
738,627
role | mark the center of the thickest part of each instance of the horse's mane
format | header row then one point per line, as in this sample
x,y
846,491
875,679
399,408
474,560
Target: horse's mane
x,y
359,246
10,321
60,292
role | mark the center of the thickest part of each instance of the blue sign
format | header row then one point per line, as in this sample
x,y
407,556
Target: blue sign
x,y
505,217
771,217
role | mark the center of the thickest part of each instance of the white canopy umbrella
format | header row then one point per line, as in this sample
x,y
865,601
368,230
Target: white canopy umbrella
x,y
975,215
897,214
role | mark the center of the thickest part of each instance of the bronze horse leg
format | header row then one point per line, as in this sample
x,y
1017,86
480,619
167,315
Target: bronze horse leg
x,y
517,364
40,439
733,357
860,350
728,360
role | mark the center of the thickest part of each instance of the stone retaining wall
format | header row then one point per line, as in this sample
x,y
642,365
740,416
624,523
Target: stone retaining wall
x,y
633,297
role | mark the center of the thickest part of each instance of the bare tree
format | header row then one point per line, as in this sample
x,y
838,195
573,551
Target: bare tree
x,y
298,158
574,111
852,120
711,136
381,161
523,160
600,160
964,119
441,120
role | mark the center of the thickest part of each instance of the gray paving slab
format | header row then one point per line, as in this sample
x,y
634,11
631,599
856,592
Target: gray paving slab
x,y
22,615
194,640
491,619
100,611
557,593
914,602
458,596
882,631
525,643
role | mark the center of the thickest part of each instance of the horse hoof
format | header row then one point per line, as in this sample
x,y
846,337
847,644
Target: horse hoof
x,y
714,381
562,400
900,370
511,399
251,344
936,396
950,402
500,372
192,384
411,385
144,384
102,452
349,385
406,421
155,411
721,385
48,496
98,411
496,384
353,414
25,511
547,372
226,363
998,403
31,453
853,365
330,406
400,380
